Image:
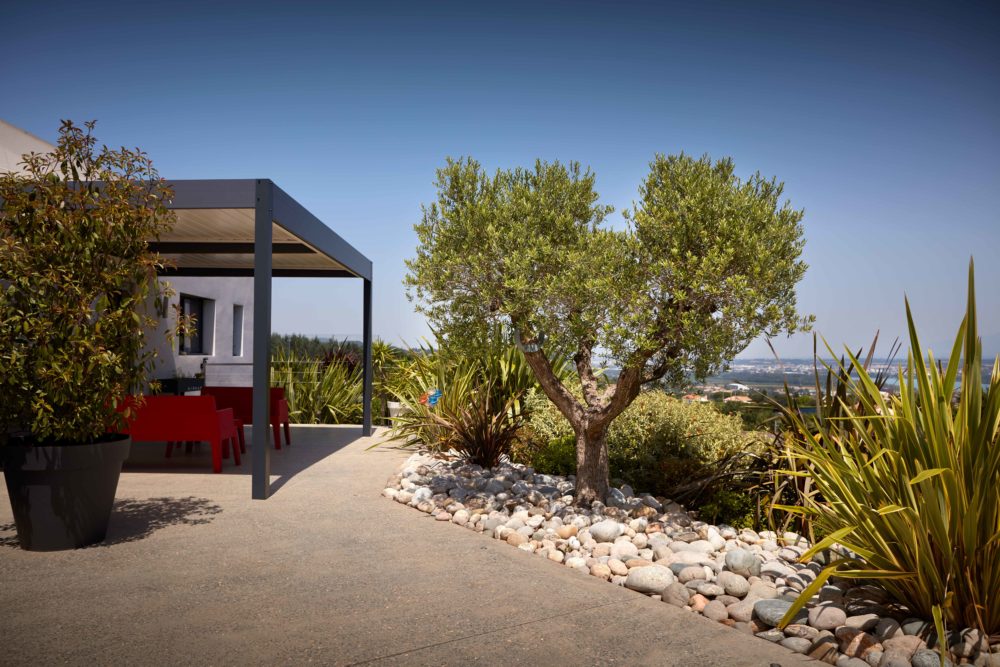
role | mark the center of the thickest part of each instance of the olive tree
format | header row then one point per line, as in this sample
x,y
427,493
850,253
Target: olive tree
x,y
705,263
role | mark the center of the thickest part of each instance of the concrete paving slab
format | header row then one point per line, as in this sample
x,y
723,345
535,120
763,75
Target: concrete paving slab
x,y
325,571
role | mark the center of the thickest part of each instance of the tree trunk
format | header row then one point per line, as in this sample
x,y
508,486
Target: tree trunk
x,y
591,465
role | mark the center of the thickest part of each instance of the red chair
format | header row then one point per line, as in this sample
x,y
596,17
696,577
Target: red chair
x,y
176,419
240,401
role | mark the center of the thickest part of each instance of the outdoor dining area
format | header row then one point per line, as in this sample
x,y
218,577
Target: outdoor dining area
x,y
217,417
246,228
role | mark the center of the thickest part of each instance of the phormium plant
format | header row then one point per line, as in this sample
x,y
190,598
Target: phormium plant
x,y
908,484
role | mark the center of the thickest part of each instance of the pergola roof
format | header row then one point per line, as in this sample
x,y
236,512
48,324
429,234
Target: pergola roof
x,y
215,234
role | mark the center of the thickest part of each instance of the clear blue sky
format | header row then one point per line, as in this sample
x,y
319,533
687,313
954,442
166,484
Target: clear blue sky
x,y
883,119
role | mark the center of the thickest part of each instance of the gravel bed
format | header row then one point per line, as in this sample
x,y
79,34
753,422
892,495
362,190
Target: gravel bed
x,y
738,577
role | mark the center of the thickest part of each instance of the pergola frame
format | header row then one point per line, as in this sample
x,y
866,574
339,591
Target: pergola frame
x,y
221,257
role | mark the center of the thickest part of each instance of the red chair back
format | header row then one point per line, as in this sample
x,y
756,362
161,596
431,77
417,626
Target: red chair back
x,y
174,418
240,400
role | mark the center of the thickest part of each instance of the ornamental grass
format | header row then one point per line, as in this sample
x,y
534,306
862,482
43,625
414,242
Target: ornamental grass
x,y
909,486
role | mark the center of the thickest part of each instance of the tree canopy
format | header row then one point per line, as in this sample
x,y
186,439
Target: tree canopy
x,y
704,263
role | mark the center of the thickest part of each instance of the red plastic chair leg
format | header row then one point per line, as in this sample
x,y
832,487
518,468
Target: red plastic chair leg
x,y
236,450
288,434
277,436
170,448
216,455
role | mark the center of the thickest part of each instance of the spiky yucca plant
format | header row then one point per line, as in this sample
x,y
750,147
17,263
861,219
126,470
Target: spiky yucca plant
x,y
911,487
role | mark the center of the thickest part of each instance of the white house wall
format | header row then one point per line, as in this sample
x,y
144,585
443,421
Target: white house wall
x,y
14,143
221,367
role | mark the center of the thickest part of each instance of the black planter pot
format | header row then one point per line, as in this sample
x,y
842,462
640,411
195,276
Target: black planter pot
x,y
62,495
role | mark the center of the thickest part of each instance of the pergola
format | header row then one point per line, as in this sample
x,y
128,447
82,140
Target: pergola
x,y
251,227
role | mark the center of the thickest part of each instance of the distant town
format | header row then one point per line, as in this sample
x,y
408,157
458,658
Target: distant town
x,y
749,379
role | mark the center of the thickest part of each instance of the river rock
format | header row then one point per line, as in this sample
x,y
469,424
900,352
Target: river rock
x,y
606,531
650,580
856,643
741,611
772,611
676,594
928,658
690,573
762,590
708,589
617,567
734,584
742,562
601,570
797,644
716,611
827,617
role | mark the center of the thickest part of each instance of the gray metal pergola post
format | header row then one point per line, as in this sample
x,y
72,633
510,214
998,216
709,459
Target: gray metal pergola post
x,y
262,261
366,421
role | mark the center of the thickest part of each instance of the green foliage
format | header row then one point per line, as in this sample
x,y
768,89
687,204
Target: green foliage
x,y
76,279
386,362
755,416
481,407
733,507
781,480
555,457
909,483
318,392
312,346
656,444
708,263
484,427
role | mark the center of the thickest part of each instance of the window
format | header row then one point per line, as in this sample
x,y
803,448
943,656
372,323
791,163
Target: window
x,y
200,340
237,330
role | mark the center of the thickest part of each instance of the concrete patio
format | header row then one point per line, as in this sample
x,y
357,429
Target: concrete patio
x,y
325,571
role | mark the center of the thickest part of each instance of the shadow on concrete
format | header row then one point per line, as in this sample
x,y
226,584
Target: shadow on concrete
x,y
133,519
310,445
8,540
290,461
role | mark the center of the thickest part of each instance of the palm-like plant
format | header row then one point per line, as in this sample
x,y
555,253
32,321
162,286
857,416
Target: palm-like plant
x,y
908,484
481,405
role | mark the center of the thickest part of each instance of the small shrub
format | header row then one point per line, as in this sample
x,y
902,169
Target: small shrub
x,y
481,405
556,457
731,507
482,429
656,444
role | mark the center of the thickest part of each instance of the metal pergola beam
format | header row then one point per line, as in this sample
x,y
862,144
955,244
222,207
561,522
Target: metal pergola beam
x,y
224,248
248,272
294,218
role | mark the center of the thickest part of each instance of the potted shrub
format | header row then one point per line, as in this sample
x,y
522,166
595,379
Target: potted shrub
x,y
76,277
